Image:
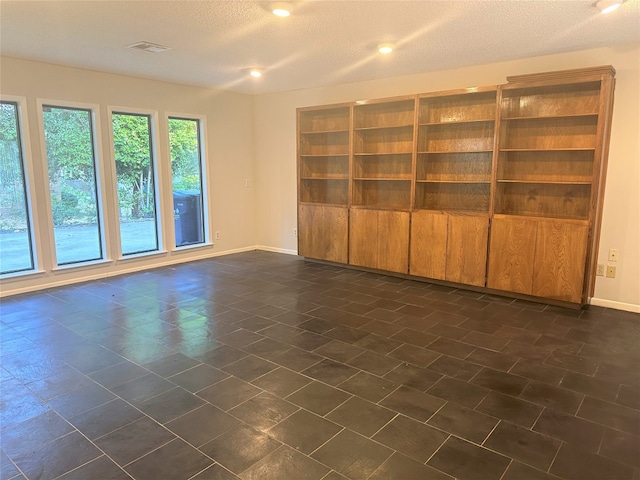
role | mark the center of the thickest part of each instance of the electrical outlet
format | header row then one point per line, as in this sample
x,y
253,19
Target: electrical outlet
x,y
247,183
217,234
611,271
295,232
600,270
613,254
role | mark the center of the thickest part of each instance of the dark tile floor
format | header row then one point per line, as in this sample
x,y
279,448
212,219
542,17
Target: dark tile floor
x,y
265,366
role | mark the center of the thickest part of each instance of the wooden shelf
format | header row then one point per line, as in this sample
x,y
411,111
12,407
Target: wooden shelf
x,y
554,200
326,177
474,136
455,142
385,179
551,117
384,140
553,133
385,127
324,132
458,107
324,119
550,100
546,182
576,221
324,166
479,182
327,155
380,154
381,166
395,194
325,191
323,155
391,113
448,152
457,122
546,165
453,196
554,149
303,202
461,213
454,166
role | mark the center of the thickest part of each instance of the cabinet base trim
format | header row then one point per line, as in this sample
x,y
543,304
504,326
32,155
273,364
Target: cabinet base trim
x,y
459,286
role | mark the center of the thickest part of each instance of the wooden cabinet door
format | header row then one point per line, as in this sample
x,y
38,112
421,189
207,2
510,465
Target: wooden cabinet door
x,y
467,238
310,230
336,234
393,241
363,238
322,232
428,244
511,254
379,239
559,266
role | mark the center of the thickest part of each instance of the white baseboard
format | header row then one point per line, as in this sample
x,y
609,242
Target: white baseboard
x,y
276,250
601,302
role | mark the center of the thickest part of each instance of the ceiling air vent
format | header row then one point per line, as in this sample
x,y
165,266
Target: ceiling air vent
x,y
148,47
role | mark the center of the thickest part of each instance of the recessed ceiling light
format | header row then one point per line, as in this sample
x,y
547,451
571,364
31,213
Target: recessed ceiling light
x,y
608,6
255,72
281,9
385,48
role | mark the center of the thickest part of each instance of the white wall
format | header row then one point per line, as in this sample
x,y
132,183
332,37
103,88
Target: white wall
x,y
254,138
275,151
229,134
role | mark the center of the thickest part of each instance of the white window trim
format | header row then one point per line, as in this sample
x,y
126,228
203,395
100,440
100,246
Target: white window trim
x,y
161,226
104,209
204,180
30,191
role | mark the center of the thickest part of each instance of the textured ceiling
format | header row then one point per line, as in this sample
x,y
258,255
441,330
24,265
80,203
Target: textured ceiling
x,y
323,42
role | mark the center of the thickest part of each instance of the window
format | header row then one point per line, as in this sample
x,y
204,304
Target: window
x,y
186,168
135,178
69,140
16,254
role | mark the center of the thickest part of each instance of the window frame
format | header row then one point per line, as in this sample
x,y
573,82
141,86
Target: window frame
x,y
28,179
103,212
204,180
157,162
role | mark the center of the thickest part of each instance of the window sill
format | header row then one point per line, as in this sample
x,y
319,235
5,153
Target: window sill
x,y
22,274
195,246
80,266
143,255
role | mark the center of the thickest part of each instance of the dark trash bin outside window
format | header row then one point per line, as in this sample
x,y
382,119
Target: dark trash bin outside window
x,y
187,214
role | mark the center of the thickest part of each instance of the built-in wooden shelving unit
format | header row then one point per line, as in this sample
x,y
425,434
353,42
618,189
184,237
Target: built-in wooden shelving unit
x,y
498,187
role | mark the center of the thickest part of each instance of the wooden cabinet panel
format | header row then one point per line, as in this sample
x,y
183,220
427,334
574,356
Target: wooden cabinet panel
x,y
449,247
322,232
428,244
560,261
336,227
537,257
363,237
393,241
309,234
379,239
511,255
467,238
